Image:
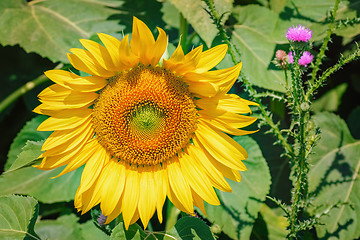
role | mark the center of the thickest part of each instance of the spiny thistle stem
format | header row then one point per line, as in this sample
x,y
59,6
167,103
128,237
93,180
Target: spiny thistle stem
x,y
343,61
323,48
300,190
232,49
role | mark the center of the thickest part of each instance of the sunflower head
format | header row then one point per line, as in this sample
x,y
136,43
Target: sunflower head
x,y
145,131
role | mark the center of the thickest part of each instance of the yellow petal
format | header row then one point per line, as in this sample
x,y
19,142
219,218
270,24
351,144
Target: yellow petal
x,y
203,89
227,122
52,124
223,148
227,102
214,174
177,56
71,112
157,51
66,140
188,64
81,158
116,212
93,168
128,58
99,53
217,167
198,201
193,171
56,95
75,82
142,40
211,58
83,62
131,195
161,183
113,182
112,45
180,186
147,197
61,157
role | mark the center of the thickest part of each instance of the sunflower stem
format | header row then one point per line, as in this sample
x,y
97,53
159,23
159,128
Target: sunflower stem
x,y
183,33
23,90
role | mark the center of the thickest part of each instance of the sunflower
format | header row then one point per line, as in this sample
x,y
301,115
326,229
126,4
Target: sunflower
x,y
144,130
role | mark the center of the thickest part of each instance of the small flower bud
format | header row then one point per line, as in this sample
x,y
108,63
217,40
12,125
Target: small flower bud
x,y
304,106
280,59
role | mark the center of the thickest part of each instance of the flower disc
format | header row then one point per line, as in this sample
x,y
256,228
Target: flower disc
x,y
145,115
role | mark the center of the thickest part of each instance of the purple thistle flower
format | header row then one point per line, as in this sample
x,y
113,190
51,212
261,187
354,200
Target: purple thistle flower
x,y
299,33
304,60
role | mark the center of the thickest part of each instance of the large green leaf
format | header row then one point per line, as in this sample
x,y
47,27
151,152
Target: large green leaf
x,y
38,183
91,232
17,217
251,36
193,11
239,209
68,227
334,179
27,133
331,100
30,180
276,224
65,227
50,28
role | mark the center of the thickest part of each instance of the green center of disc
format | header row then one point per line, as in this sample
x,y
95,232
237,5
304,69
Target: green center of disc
x,y
147,120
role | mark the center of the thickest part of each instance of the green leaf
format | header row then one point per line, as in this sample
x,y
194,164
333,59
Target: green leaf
x,y
27,133
334,134
194,13
52,27
171,14
65,227
252,36
32,181
276,224
91,232
28,156
17,217
334,179
331,100
134,232
239,209
38,183
68,227
190,228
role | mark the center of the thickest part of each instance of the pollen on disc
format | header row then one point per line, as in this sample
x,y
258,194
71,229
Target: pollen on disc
x,y
145,115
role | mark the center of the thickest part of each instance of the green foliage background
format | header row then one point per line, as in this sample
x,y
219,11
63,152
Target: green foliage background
x,y
35,36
